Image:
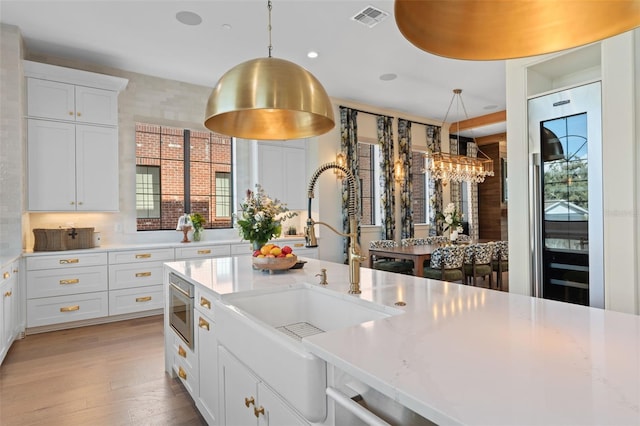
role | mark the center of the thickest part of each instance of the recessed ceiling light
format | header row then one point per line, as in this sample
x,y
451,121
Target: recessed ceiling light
x,y
388,77
226,26
188,18
488,107
312,54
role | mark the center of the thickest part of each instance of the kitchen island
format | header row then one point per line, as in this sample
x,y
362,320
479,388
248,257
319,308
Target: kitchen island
x,y
460,354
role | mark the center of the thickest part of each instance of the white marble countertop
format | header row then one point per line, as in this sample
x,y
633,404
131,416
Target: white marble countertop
x,y
465,355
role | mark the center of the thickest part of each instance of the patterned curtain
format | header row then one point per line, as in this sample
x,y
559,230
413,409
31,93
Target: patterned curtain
x,y
435,186
387,186
404,154
472,196
349,147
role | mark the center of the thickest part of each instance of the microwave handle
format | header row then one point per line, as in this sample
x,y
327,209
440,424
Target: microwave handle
x,y
179,289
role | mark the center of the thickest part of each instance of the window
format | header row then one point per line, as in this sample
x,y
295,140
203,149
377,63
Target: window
x,y
369,176
182,170
419,198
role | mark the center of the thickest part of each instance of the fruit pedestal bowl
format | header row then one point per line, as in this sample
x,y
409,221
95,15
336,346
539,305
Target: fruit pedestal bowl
x,y
274,263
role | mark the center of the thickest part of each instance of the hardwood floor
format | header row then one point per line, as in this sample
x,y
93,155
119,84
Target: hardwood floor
x,y
110,374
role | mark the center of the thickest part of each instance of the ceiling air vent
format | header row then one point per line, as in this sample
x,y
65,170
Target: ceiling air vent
x,y
370,16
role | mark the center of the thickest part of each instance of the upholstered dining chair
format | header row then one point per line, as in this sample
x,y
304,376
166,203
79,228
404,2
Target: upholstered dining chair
x,y
446,264
477,262
500,260
390,265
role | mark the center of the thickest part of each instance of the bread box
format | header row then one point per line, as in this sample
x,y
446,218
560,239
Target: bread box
x,y
63,239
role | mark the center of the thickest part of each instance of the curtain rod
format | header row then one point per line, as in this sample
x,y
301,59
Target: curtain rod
x,y
367,112
417,122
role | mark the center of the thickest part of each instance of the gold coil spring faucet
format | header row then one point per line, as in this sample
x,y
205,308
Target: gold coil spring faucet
x,y
354,255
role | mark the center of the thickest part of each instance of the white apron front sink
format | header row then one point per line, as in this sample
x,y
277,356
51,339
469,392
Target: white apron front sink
x,y
264,328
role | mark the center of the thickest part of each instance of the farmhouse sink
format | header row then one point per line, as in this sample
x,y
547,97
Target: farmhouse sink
x,y
265,328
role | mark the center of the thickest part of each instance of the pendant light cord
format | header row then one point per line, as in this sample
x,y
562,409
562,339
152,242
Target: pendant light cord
x,y
269,27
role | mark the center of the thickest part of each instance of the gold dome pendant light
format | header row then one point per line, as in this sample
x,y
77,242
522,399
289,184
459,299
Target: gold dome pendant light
x,y
503,29
269,99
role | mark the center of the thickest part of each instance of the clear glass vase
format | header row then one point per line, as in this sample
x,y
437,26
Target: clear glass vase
x,y
197,235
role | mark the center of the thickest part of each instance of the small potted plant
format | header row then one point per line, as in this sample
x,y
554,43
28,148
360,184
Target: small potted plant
x,y
198,221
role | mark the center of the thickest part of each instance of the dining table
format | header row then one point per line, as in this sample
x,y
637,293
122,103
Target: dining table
x,y
418,254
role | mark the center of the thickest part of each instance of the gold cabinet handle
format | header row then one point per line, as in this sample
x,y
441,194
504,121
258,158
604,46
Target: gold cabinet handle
x,y
6,275
70,112
8,294
72,203
143,299
249,401
202,323
71,281
258,411
298,245
143,274
79,114
67,261
207,251
182,352
205,303
143,256
15,271
182,373
70,308
79,203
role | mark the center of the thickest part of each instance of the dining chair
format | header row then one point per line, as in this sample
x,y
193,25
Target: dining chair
x,y
477,262
446,264
500,260
387,264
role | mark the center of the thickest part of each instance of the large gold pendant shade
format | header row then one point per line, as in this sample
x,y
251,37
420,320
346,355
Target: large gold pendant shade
x,y
269,99
505,29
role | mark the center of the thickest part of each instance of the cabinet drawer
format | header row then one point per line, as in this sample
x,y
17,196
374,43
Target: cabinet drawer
x,y
185,364
55,310
131,275
136,300
193,252
142,255
63,260
242,249
60,282
203,302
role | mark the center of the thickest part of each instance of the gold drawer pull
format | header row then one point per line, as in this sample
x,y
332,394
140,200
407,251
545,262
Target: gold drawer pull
x,y
258,411
8,294
67,261
204,251
6,275
70,308
182,373
79,114
298,245
182,352
143,274
143,299
143,256
70,112
205,303
249,401
71,281
202,323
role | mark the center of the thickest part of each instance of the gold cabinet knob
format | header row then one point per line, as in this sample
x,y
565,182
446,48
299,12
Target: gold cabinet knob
x,y
6,275
258,411
79,114
70,112
249,401
182,352
8,294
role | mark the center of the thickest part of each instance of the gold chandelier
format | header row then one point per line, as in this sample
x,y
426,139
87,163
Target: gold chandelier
x,y
269,99
503,29
458,168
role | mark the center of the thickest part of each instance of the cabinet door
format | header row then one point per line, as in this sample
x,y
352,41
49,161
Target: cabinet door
x,y
295,178
51,166
276,412
271,171
96,106
240,391
9,311
97,168
208,369
50,99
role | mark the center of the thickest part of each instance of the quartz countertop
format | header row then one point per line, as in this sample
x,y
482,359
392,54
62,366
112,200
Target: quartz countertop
x,y
467,355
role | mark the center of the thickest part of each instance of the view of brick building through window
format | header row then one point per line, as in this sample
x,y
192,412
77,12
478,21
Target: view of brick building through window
x,y
179,170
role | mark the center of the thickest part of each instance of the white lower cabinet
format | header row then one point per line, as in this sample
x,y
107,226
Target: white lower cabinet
x,y
202,251
249,401
184,363
9,308
59,309
207,348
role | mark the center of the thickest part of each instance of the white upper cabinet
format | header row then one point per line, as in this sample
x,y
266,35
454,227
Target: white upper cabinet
x,y
72,139
282,172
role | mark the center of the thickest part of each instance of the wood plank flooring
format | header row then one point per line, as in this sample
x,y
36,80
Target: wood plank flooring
x,y
110,374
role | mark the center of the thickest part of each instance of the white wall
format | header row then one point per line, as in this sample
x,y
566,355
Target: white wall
x,y
621,162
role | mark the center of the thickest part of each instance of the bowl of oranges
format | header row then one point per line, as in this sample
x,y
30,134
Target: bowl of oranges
x,y
271,257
